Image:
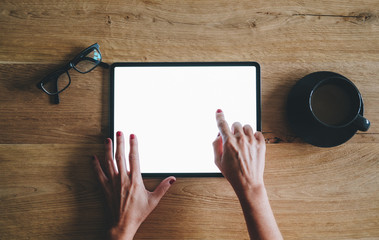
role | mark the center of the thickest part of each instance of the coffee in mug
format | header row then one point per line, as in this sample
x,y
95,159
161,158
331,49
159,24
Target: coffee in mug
x,y
333,104
326,109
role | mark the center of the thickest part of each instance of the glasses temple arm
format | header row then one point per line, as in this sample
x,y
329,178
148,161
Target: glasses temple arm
x,y
101,64
104,65
56,96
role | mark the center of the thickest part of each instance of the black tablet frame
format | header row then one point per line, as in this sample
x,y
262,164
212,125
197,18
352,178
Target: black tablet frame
x,y
181,64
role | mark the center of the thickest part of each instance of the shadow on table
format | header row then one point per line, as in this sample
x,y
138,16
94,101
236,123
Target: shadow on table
x,y
90,219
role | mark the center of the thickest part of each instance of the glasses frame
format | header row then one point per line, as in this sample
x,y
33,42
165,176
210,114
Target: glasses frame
x,y
71,65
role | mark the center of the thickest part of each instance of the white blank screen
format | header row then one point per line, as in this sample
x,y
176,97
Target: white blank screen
x,y
172,109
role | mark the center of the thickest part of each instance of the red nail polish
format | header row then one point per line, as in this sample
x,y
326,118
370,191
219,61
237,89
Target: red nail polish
x,y
118,134
132,136
107,140
172,181
219,111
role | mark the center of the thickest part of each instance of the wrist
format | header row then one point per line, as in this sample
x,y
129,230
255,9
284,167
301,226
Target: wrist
x,y
251,195
258,214
117,233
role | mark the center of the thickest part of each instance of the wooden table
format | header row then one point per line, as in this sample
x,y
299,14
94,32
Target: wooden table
x,y
47,186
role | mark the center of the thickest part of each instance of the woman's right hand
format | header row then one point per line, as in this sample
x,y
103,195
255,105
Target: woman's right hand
x,y
240,155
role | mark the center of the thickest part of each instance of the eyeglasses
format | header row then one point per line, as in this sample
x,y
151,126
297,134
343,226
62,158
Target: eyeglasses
x,y
58,81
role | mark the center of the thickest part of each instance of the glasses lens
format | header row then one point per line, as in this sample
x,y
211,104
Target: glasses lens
x,y
56,82
89,62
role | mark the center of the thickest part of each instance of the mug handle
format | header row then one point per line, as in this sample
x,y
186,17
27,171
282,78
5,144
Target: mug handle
x,y
363,124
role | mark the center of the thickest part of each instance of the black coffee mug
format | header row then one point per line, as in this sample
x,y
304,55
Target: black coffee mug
x,y
326,109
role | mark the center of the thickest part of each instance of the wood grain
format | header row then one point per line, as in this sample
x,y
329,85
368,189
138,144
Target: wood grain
x,y
50,190
47,186
63,123
264,31
29,117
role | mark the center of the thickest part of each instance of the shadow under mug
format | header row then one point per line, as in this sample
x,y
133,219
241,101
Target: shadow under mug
x,y
326,109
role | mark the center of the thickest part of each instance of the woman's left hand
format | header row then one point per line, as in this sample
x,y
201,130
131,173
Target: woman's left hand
x,y
128,200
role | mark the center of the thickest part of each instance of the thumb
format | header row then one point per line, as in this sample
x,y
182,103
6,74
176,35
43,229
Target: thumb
x,y
162,188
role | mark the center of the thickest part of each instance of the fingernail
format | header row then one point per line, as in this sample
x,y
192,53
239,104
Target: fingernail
x,y
219,111
172,181
107,141
132,136
118,133
218,134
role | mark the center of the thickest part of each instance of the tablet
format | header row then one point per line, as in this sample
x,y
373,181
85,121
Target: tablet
x,y
171,108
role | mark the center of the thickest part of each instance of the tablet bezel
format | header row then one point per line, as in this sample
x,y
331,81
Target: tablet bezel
x,y
182,64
